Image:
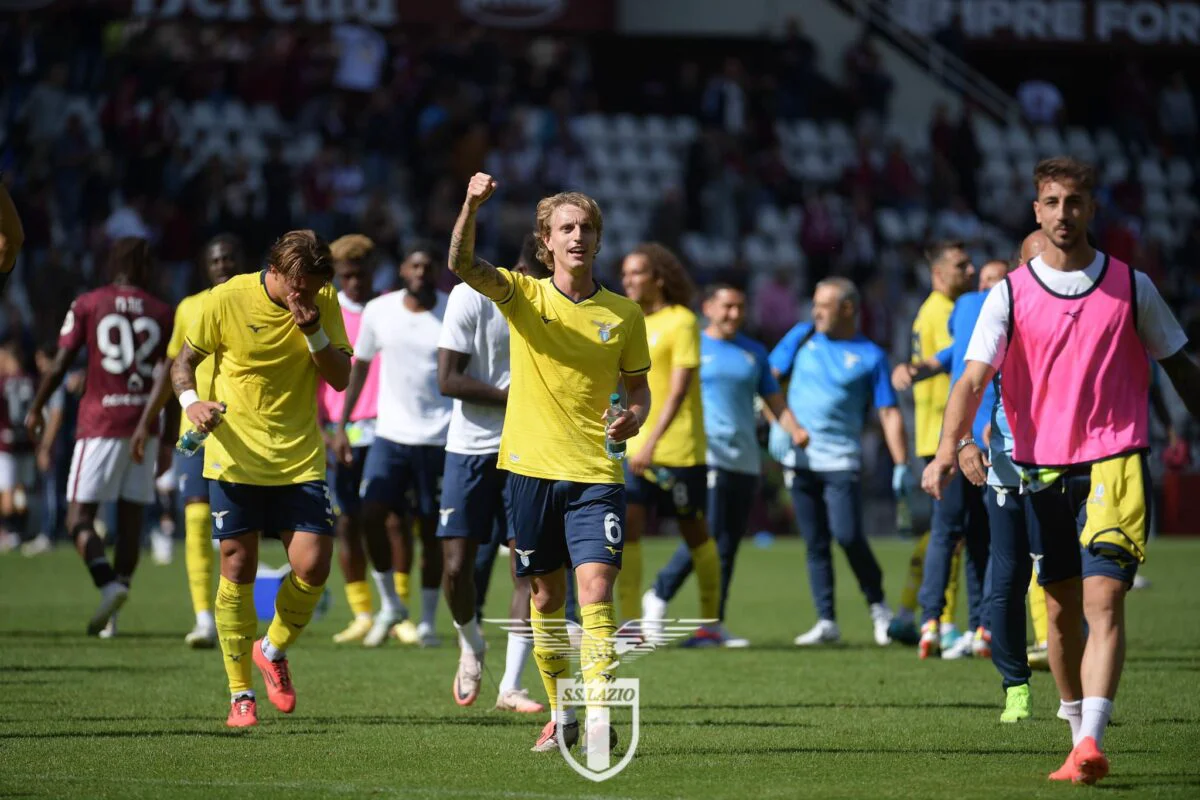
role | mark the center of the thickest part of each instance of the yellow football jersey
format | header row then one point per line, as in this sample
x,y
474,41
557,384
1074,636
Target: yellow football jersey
x,y
266,377
187,310
566,359
674,335
930,336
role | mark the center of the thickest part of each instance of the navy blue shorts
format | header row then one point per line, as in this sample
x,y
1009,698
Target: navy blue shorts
x,y
563,523
474,499
687,497
239,508
346,481
407,478
1057,515
189,472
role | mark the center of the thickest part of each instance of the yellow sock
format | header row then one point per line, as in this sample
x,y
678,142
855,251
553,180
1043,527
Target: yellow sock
x,y
400,581
236,628
294,606
358,596
598,653
1037,610
952,586
708,577
629,582
198,554
550,648
916,571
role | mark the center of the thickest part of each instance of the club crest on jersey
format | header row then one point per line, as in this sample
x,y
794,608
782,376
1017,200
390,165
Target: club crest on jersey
x,y
604,329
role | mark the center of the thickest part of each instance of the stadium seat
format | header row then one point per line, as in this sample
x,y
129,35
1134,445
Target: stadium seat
x,y
991,142
203,117
655,129
1184,205
251,148
1162,230
601,157
837,136
1107,144
694,245
1019,143
808,136
788,253
663,164
1155,204
1116,169
684,129
795,219
917,222
626,128
266,120
1179,173
1048,143
771,221
997,174
232,116
757,253
1080,145
891,225
786,133
586,128
1151,175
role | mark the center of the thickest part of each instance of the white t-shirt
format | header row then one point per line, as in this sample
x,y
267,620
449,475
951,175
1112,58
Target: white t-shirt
x,y
361,52
1157,327
411,407
475,326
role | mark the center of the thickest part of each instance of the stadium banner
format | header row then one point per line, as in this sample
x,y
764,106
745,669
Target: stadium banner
x,y
1083,23
567,15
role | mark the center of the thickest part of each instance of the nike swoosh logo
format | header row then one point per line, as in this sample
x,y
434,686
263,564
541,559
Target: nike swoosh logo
x,y
255,328
547,320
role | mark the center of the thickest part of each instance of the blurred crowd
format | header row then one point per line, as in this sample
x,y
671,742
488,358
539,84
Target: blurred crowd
x,y
179,130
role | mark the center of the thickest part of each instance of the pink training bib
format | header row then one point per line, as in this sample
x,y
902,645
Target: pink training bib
x,y
1076,378
329,402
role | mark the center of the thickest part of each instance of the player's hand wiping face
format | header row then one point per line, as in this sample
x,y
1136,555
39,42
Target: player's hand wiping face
x,y
304,310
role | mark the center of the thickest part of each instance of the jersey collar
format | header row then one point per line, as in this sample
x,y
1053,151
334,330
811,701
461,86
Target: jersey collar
x,y
262,279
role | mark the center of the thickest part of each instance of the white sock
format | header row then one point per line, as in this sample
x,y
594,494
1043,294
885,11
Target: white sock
x,y
1096,713
564,716
385,584
269,650
945,628
519,648
1072,712
429,604
470,636
364,615
206,620
248,693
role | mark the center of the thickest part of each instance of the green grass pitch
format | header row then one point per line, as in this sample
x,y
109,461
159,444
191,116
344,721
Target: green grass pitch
x,y
142,716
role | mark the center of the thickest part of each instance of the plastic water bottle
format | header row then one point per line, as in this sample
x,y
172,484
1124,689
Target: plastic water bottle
x,y
192,440
615,450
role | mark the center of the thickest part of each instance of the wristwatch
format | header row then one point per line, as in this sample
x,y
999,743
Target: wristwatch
x,y
963,442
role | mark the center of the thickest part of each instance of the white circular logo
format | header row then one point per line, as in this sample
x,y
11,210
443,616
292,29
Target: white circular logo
x,y
513,13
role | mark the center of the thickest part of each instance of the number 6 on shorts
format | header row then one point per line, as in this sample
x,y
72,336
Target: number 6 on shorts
x,y
612,528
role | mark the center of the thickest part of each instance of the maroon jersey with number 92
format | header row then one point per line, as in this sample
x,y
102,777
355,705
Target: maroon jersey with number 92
x,y
126,330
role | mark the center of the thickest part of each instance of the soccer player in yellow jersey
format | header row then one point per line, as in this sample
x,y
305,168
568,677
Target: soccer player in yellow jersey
x,y
571,342
666,467
271,334
951,274
224,257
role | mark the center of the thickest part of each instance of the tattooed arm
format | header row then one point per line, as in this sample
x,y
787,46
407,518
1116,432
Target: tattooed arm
x,y
203,414
475,272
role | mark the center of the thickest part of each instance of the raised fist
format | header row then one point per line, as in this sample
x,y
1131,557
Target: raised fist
x,y
480,189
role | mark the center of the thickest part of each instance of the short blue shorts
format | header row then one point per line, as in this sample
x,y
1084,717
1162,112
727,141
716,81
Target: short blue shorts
x,y
563,523
474,499
406,478
239,508
687,497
